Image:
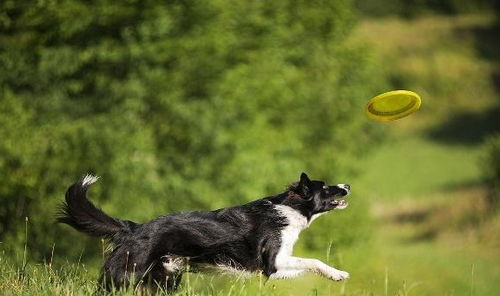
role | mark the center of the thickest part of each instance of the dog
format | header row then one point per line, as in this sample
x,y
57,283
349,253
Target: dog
x,y
255,237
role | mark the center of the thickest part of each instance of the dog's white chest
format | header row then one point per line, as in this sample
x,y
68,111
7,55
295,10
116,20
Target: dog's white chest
x,y
290,234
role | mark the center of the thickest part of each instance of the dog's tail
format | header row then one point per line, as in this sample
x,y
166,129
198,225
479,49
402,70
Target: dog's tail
x,y
81,214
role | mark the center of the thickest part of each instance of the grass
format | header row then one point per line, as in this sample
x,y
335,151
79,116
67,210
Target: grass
x,y
433,234
422,268
78,279
410,167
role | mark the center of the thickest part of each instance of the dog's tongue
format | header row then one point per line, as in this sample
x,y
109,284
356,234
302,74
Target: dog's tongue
x,y
340,204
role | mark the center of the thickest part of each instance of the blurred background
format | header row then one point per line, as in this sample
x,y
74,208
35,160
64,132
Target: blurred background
x,y
182,105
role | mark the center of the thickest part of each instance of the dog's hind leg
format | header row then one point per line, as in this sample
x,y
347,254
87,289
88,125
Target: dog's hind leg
x,y
161,280
167,275
173,280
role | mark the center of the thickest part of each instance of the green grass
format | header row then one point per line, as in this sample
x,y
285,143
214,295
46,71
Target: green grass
x,y
77,279
443,270
417,269
410,167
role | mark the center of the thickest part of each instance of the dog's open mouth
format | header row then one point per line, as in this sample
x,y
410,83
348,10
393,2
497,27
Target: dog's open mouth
x,y
336,201
339,204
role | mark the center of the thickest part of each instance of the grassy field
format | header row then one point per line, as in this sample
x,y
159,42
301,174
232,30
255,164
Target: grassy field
x,y
433,233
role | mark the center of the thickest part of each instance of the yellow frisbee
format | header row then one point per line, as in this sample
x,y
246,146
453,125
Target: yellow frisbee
x,y
392,105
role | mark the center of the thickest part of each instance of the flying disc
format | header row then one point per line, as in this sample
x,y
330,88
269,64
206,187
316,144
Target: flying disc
x,y
392,105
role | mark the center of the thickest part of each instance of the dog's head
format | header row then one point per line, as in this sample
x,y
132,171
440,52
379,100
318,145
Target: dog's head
x,y
312,197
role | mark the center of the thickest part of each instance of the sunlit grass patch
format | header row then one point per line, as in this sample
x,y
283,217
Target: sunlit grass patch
x,y
414,167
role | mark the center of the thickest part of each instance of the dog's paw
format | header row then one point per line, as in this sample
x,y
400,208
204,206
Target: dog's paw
x,y
338,275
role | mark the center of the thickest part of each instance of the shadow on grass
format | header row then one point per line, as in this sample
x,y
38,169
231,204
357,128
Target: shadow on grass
x,y
416,216
467,128
463,185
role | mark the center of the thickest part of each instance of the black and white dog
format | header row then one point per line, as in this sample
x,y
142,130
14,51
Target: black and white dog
x,y
255,237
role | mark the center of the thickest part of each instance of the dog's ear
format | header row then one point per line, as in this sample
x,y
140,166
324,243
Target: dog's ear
x,y
304,179
305,186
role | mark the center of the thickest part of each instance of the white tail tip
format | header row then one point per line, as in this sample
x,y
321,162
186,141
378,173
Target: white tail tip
x,y
89,180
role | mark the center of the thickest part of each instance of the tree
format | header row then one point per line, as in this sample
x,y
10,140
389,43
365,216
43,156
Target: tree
x,y
177,105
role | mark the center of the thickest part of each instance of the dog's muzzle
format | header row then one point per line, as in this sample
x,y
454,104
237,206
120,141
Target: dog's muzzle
x,y
340,203
346,188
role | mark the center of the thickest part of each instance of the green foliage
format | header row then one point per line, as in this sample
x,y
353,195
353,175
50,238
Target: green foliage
x,y
177,105
413,8
491,169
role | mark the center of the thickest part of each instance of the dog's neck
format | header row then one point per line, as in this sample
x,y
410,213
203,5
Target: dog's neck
x,y
293,201
290,233
294,218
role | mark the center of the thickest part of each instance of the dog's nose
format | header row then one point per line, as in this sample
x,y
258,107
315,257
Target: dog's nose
x,y
344,186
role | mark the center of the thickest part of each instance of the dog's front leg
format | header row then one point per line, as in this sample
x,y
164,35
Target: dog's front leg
x,y
290,266
286,273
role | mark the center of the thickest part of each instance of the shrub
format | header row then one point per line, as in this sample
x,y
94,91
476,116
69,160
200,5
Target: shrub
x,y
491,166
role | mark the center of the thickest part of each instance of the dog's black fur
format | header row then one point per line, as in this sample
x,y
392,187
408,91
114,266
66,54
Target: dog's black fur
x,y
156,253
